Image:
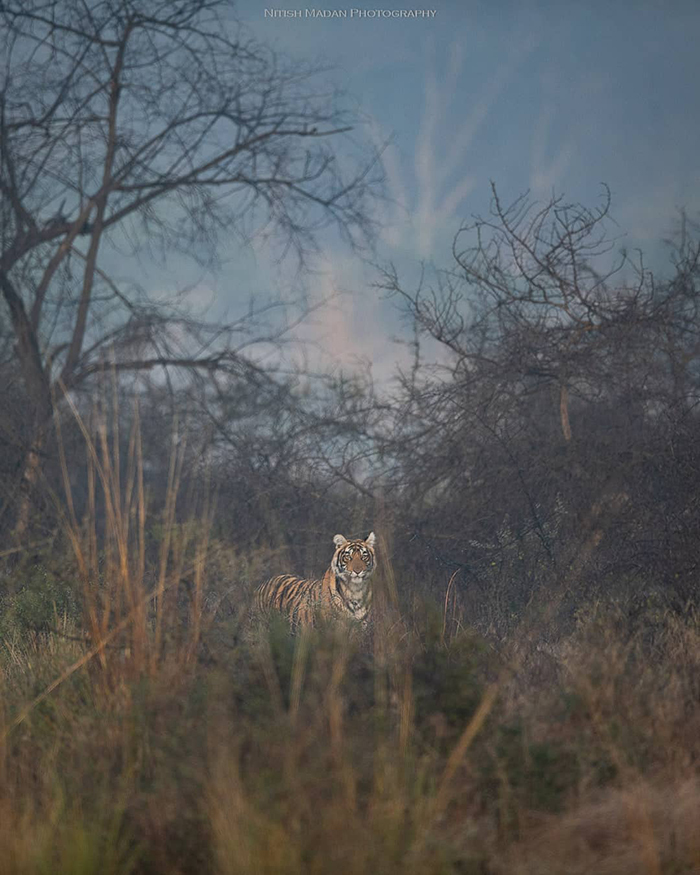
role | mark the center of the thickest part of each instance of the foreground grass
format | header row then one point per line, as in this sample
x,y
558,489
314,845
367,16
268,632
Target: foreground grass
x,y
332,752
144,728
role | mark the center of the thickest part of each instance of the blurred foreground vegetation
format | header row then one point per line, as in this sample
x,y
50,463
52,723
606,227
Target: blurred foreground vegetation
x,y
179,740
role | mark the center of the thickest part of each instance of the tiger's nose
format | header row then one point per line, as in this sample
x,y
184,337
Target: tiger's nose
x,y
357,565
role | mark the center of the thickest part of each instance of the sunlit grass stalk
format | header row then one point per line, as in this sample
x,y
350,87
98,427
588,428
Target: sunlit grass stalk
x,y
299,666
336,705
448,592
177,455
87,564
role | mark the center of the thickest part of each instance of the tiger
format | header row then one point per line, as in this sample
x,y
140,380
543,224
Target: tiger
x,y
344,591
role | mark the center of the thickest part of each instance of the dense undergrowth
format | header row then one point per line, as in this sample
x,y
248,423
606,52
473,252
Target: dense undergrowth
x,y
420,748
147,727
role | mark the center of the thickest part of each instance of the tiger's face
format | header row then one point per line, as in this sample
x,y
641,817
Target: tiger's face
x,y
354,561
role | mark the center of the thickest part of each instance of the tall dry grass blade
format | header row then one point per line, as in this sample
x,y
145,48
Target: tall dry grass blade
x,y
91,593
127,510
78,664
140,498
334,698
639,812
111,502
115,548
406,711
3,734
336,707
437,806
299,663
125,514
200,566
140,628
383,607
264,654
92,513
174,474
116,454
132,517
89,443
391,593
447,601
459,751
85,566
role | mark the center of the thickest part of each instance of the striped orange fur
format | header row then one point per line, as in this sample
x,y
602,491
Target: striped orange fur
x,y
343,591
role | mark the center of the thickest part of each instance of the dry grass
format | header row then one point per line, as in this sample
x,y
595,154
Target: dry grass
x,y
641,827
149,736
311,755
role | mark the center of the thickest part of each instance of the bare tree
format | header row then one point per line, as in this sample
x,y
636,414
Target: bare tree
x,y
138,126
561,408
533,307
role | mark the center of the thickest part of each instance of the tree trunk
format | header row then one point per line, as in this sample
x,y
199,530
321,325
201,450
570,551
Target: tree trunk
x,y
27,487
564,412
31,469
37,382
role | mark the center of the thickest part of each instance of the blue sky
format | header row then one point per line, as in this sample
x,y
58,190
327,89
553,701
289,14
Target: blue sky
x,y
532,95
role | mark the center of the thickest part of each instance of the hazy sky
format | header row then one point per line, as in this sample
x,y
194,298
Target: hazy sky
x,y
532,95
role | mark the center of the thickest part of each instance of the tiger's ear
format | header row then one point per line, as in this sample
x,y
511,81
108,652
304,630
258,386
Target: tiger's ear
x,y
339,540
370,539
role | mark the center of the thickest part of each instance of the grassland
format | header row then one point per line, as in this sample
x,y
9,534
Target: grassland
x,y
190,746
145,727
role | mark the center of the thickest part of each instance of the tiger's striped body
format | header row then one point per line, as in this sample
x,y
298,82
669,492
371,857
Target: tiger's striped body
x,y
344,591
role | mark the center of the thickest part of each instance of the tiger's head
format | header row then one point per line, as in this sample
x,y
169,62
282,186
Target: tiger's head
x,y
354,561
